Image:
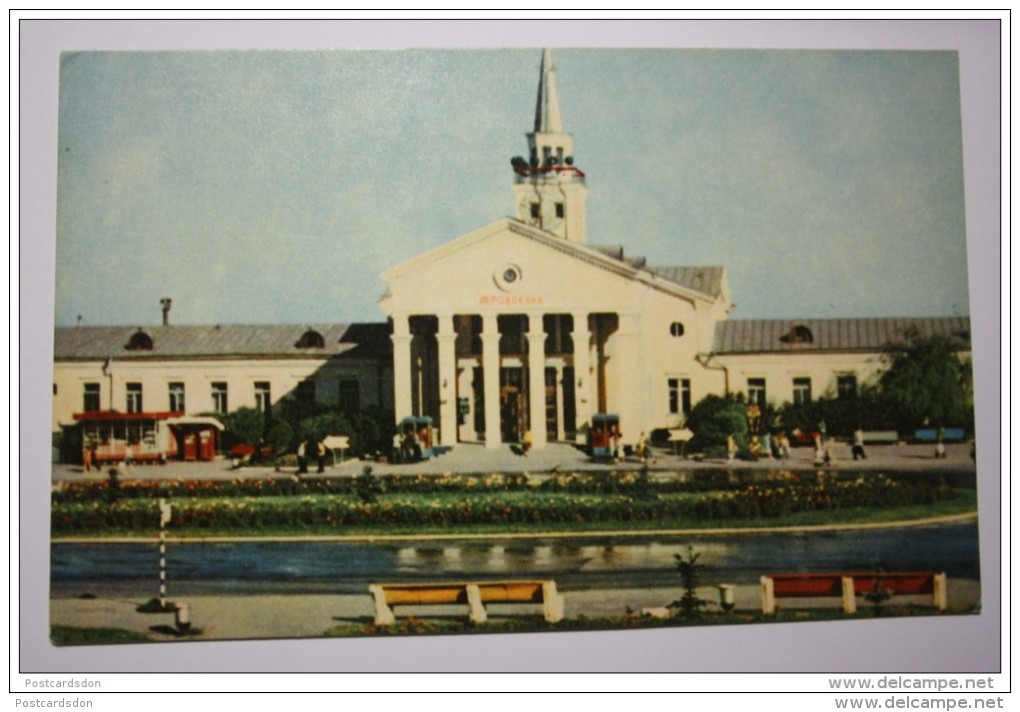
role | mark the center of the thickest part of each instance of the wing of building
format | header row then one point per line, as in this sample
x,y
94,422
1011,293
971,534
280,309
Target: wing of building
x,y
518,327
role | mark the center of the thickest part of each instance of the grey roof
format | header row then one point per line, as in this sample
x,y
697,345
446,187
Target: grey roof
x,y
707,280
739,336
221,341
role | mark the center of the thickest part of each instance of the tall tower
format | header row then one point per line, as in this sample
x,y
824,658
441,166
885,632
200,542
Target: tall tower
x,y
549,189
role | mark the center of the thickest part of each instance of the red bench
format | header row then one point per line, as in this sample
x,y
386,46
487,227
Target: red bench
x,y
850,585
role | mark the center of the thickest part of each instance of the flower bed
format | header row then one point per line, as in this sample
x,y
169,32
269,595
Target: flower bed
x,y
276,506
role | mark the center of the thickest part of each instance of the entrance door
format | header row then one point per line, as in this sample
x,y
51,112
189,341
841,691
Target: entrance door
x,y
513,407
550,404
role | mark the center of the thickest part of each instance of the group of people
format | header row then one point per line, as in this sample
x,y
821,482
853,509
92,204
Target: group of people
x,y
302,456
765,445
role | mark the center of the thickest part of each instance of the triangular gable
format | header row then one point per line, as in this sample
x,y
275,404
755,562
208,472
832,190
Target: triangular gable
x,y
588,255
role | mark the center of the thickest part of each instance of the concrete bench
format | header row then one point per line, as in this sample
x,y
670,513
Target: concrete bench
x,y
475,594
930,435
850,585
880,437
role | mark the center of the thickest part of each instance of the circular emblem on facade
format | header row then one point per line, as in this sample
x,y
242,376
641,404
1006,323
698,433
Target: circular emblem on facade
x,y
508,277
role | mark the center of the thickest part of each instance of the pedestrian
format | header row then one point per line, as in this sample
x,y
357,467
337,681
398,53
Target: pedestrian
x,y
320,456
129,457
766,445
858,448
87,457
940,445
820,456
302,459
642,447
731,448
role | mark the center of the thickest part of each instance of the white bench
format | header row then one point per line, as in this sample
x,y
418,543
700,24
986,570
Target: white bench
x,y
473,593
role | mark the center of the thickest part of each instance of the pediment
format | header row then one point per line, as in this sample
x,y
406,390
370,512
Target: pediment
x,y
507,266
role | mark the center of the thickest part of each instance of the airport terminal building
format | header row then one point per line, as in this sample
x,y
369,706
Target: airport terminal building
x,y
520,326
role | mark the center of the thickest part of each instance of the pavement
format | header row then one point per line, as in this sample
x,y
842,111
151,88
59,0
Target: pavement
x,y
472,458
310,616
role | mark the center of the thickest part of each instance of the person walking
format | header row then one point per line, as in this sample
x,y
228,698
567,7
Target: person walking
x,y
302,457
731,448
320,456
858,448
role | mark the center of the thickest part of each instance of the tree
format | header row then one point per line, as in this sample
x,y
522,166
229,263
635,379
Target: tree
x,y
244,425
927,383
715,417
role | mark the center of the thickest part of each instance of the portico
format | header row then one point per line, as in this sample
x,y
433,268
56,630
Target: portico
x,y
491,375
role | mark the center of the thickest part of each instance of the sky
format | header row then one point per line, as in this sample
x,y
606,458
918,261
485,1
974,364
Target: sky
x,y
276,186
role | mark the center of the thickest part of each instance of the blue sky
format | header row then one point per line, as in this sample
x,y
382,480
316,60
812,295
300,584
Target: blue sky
x,y
267,186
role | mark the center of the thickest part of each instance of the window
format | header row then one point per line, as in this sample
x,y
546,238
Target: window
x,y
756,391
139,341
305,391
90,397
536,211
801,391
799,334
846,386
263,401
560,210
311,339
348,398
134,397
680,395
676,329
219,396
176,393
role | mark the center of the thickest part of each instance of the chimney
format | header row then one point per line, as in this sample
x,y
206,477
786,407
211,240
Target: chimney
x,y
165,302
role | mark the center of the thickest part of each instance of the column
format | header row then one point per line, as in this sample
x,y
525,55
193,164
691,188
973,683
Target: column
x,y
490,375
631,399
401,366
446,338
560,432
536,380
584,387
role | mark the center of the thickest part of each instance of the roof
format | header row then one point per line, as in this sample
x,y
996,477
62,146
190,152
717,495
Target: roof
x,y
707,280
742,336
296,341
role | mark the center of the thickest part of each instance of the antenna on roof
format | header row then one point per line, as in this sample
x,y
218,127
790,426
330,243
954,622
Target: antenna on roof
x,y
165,302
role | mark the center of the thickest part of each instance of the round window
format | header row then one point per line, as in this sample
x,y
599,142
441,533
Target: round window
x,y
508,277
676,329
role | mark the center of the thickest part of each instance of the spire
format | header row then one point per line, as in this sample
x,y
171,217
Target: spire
x,y
547,110
548,188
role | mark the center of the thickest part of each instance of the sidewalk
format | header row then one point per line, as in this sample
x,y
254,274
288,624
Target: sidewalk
x,y
310,616
471,458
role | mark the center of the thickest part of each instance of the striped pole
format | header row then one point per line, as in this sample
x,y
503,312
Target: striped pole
x,y
164,519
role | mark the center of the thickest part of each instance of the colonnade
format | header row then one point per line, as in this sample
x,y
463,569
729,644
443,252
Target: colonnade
x,y
438,359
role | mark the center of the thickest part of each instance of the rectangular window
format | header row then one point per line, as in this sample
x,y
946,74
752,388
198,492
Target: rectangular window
x,y
560,210
349,396
846,386
219,397
305,391
133,398
679,395
176,392
536,211
801,391
263,401
90,397
756,391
